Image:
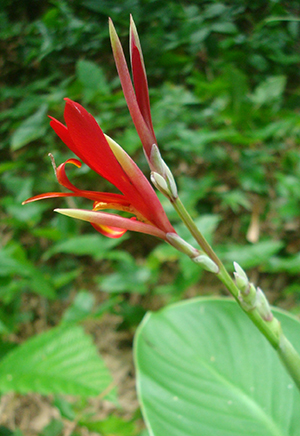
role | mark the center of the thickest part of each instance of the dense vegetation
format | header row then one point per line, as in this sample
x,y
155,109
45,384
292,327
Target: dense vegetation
x,y
225,91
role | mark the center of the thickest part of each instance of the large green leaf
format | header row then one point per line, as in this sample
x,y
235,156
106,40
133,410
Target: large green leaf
x,y
204,369
62,360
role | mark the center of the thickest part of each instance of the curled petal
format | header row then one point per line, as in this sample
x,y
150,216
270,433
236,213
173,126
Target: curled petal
x,y
49,195
91,195
62,177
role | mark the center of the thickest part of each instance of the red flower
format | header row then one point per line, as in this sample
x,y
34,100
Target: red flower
x,y
85,138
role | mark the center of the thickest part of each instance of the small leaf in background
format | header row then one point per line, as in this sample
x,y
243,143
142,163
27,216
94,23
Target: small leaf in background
x,y
235,199
203,369
129,277
290,265
65,407
112,425
14,262
248,256
80,308
62,361
31,129
269,91
92,77
224,27
84,245
54,428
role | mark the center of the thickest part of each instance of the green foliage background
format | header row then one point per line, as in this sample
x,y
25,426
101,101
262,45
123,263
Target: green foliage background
x,y
225,91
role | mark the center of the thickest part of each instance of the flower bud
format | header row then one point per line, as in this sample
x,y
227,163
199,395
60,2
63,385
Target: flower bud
x,y
263,306
156,161
241,282
207,263
160,183
159,167
239,270
196,256
171,182
181,245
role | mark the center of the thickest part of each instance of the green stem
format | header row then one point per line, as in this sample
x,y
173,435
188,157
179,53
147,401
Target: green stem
x,y
188,221
290,358
270,329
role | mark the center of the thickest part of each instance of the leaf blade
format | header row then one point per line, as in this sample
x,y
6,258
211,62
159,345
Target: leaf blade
x,y
190,373
62,360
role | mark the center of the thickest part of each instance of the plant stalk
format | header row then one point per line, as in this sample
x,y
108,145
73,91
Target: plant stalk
x,y
270,329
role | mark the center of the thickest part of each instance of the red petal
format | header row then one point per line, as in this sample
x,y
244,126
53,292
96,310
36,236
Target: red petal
x,y
92,146
91,195
49,195
62,131
110,232
145,134
139,76
113,220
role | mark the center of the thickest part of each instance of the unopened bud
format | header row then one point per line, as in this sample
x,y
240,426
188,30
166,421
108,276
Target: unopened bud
x,y
263,306
239,270
248,291
156,161
160,183
207,263
171,182
160,168
248,298
181,245
241,282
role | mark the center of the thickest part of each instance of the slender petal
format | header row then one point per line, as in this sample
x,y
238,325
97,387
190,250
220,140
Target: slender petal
x,y
155,213
103,197
91,145
111,220
109,232
145,133
49,195
139,76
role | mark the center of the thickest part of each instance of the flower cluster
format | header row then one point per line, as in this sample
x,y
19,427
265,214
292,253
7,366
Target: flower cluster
x,y
85,139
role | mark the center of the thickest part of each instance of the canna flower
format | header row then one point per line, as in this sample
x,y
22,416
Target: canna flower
x,y
85,139
137,98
